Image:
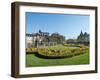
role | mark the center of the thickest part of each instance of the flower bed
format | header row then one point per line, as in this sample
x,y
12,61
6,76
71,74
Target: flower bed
x,y
62,52
58,51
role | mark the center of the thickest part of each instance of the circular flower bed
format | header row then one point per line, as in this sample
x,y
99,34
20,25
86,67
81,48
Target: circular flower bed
x,y
62,52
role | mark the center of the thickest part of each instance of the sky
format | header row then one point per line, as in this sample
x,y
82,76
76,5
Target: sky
x,y
68,25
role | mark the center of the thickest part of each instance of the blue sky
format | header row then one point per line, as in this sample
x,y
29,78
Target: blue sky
x,y
65,24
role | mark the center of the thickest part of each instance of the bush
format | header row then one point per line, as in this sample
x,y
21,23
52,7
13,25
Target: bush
x,y
58,51
62,52
28,50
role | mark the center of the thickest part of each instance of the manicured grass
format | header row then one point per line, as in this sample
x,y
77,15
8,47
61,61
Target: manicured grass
x,y
33,61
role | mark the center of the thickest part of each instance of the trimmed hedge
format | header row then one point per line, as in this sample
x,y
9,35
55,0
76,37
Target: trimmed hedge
x,y
59,51
30,50
64,52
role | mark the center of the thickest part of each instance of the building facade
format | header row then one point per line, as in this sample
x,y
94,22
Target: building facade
x,y
36,39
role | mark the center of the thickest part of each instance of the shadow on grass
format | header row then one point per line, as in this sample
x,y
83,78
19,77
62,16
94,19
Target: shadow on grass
x,y
48,57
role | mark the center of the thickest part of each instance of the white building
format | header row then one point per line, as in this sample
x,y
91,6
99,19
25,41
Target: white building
x,y
29,40
32,39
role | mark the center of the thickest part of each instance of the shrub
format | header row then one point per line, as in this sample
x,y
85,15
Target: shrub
x,y
30,50
62,52
58,51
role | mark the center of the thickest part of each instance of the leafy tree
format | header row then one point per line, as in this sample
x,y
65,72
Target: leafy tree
x,y
56,37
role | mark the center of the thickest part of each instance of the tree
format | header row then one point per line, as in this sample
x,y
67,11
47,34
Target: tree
x,y
71,41
86,39
80,38
83,38
56,37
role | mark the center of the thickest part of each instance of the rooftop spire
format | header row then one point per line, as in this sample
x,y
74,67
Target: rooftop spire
x,y
40,31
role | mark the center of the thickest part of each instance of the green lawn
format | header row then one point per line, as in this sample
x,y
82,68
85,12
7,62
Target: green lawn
x,y
33,61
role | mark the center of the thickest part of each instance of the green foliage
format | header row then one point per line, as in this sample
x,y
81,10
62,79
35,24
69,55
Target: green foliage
x,y
62,51
28,50
59,51
83,37
56,37
71,41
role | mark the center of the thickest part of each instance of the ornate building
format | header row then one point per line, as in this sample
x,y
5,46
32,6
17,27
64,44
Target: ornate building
x,y
35,39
